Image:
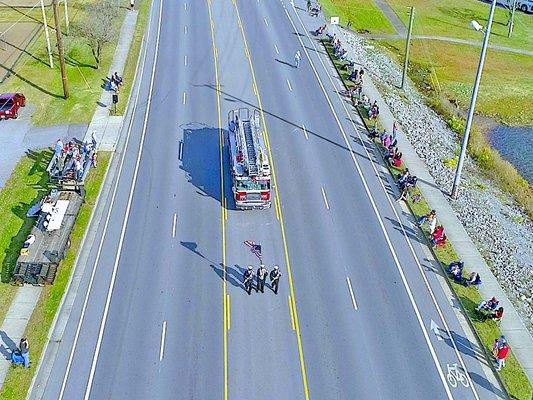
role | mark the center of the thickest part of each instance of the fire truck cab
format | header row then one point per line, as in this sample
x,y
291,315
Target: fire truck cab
x,y
250,168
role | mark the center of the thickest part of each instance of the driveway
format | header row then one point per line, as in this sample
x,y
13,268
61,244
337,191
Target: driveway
x,y
17,136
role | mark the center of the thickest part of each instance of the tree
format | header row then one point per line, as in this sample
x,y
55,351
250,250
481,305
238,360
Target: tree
x,y
99,25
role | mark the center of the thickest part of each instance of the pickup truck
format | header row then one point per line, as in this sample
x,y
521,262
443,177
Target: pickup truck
x,y
10,104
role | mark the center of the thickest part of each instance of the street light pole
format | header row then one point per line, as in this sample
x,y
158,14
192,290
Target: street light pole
x,y
407,46
60,51
47,35
457,178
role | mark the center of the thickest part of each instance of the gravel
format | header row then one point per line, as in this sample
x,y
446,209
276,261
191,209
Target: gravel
x,y
502,232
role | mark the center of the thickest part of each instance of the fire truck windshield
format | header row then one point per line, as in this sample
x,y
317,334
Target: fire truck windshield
x,y
244,185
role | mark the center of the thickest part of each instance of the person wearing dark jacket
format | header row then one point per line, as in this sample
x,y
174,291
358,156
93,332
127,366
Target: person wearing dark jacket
x,y
261,275
248,279
275,275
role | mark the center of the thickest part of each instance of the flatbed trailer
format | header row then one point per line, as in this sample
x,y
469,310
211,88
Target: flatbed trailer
x,y
37,265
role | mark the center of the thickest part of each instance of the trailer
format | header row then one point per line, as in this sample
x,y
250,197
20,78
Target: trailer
x,y
49,239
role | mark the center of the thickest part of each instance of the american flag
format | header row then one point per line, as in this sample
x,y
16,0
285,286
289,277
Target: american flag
x,y
254,248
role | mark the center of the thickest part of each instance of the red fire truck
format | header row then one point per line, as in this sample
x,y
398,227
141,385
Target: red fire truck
x,y
250,168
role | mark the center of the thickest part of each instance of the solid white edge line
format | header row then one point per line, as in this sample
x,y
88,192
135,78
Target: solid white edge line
x,y
100,245
406,237
175,220
126,217
378,216
289,84
163,336
325,197
305,132
348,280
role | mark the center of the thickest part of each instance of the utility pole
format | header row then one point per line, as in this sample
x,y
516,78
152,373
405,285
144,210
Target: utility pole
x,y
457,178
511,21
407,46
60,50
67,23
47,35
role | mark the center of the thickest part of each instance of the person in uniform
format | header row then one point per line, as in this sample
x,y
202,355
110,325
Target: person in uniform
x,y
262,274
275,275
248,279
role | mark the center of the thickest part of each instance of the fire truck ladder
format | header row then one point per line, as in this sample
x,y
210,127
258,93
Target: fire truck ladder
x,y
249,142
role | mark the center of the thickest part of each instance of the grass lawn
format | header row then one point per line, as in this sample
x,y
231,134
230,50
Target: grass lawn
x,y
452,19
364,15
503,95
42,85
27,184
131,63
19,379
513,376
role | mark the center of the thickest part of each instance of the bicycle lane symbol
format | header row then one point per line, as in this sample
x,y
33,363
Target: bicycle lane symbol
x,y
456,375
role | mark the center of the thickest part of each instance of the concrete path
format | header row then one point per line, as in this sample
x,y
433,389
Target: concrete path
x,y
469,42
393,18
512,326
18,136
21,137
105,126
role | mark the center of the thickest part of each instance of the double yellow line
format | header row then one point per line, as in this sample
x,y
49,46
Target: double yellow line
x,y
277,205
279,214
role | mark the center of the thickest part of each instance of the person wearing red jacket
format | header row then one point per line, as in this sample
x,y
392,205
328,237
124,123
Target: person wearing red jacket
x,y
503,351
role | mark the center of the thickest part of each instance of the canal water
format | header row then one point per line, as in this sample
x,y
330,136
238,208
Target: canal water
x,y
515,144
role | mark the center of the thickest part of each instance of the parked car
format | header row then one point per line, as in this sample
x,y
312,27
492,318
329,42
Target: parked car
x,y
525,5
10,104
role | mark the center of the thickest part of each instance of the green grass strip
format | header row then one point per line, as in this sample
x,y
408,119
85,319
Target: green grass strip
x,y
18,379
27,184
512,375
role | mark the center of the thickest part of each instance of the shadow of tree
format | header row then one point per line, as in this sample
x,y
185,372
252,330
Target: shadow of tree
x,y
40,162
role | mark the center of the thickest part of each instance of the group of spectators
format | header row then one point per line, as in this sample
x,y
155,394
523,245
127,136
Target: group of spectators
x,y
115,82
71,157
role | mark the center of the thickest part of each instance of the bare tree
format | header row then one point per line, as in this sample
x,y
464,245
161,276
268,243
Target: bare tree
x,y
99,26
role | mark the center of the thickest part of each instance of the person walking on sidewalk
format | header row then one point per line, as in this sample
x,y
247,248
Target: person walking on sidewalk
x,y
248,279
262,274
297,58
275,275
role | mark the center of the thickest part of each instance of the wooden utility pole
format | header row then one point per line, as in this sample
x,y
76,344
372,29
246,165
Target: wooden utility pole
x,y
407,46
60,50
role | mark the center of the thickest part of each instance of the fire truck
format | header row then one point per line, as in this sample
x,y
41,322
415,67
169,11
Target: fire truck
x,y
250,168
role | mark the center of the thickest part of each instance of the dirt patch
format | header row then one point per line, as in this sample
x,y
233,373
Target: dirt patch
x,y
13,44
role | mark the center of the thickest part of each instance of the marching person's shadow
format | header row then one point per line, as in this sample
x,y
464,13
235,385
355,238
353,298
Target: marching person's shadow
x,y
234,276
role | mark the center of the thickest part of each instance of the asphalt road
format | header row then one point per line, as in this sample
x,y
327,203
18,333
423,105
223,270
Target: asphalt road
x,y
165,316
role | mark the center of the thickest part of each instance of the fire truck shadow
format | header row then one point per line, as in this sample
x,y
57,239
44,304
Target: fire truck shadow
x,y
200,159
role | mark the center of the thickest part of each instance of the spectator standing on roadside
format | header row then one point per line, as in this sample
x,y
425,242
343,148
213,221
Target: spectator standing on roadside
x,y
132,5
394,130
24,347
501,355
431,219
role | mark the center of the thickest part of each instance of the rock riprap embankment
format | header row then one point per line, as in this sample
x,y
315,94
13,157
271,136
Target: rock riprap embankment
x,y
501,231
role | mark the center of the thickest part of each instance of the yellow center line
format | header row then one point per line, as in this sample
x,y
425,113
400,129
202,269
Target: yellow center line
x,y
225,296
282,225
228,308
291,313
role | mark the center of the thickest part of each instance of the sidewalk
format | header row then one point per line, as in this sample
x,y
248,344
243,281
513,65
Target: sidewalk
x,y
394,20
511,326
107,129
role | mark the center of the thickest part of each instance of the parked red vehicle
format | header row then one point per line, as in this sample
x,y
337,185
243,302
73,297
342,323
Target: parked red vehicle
x,y
10,104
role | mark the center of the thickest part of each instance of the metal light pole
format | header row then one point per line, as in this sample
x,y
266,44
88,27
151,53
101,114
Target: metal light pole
x,y
457,179
60,51
511,21
67,23
407,46
47,35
